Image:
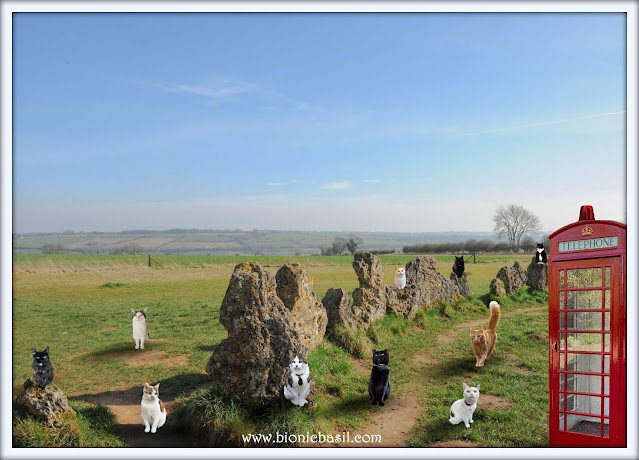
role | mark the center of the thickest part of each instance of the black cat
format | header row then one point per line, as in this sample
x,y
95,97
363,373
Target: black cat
x,y
458,266
42,369
379,387
540,257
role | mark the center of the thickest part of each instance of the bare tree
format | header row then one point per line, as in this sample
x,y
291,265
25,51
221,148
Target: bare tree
x,y
54,248
353,243
515,221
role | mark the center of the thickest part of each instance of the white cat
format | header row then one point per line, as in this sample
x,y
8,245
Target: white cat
x,y
462,410
400,278
152,410
140,332
298,383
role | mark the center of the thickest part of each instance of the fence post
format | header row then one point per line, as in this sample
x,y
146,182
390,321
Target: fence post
x,y
149,260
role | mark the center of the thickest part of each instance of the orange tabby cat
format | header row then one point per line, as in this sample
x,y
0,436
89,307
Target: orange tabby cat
x,y
484,341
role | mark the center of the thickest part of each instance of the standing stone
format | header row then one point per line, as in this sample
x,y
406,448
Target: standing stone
x,y
461,283
497,288
402,302
369,300
339,310
537,276
46,405
308,315
513,278
423,274
252,362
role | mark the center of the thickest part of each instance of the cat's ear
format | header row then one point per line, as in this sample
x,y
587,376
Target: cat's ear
x,y
144,311
464,386
46,350
133,312
374,351
386,351
33,350
157,387
478,385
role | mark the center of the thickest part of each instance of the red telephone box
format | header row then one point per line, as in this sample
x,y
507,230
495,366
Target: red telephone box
x,y
587,330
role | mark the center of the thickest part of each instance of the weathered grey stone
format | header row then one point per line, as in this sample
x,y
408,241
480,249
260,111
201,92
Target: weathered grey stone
x,y
368,269
369,300
423,274
339,310
308,315
537,276
513,278
497,288
403,302
252,362
462,284
47,405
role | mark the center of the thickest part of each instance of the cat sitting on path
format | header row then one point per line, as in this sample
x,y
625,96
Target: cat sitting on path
x,y
152,409
462,410
379,387
140,332
298,383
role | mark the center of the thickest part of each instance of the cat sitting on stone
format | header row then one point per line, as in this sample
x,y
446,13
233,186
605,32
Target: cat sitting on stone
x,y
379,387
462,410
458,266
140,332
484,341
298,383
42,369
152,410
540,256
400,277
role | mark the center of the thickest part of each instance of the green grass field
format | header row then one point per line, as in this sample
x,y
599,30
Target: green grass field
x,y
79,306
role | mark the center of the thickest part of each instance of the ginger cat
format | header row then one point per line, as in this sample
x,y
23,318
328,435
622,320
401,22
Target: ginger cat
x,y
484,341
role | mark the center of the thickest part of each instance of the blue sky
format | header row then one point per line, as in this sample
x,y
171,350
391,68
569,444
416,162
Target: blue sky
x,y
353,122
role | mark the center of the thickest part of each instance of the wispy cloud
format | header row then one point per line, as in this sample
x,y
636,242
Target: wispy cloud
x,y
337,186
373,181
273,184
213,90
546,123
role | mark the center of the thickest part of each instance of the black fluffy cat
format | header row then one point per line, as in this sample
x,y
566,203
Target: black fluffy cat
x,y
541,254
379,388
458,266
42,369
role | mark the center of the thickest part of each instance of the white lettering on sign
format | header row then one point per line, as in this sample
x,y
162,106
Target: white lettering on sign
x,y
584,245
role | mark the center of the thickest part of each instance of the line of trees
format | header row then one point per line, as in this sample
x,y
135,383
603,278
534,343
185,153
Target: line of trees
x,y
340,245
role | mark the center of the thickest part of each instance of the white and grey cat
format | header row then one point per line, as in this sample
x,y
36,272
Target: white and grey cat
x,y
152,409
400,277
140,331
462,410
298,382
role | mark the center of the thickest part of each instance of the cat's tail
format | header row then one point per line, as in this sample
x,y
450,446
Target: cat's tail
x,y
495,313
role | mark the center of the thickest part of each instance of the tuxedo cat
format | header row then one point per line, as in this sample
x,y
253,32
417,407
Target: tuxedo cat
x,y
152,409
298,383
458,266
400,277
462,410
140,332
540,256
42,369
379,387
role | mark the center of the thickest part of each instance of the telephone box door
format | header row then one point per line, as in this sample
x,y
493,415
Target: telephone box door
x,y
587,356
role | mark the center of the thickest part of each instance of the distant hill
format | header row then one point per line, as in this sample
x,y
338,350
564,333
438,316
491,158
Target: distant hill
x,y
229,242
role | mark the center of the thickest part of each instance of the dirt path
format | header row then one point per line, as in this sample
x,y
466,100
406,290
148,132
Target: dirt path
x,y
401,413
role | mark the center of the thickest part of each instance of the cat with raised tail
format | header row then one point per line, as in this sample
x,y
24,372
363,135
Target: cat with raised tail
x,y
140,332
42,369
152,410
463,409
540,255
379,387
298,383
400,277
484,341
